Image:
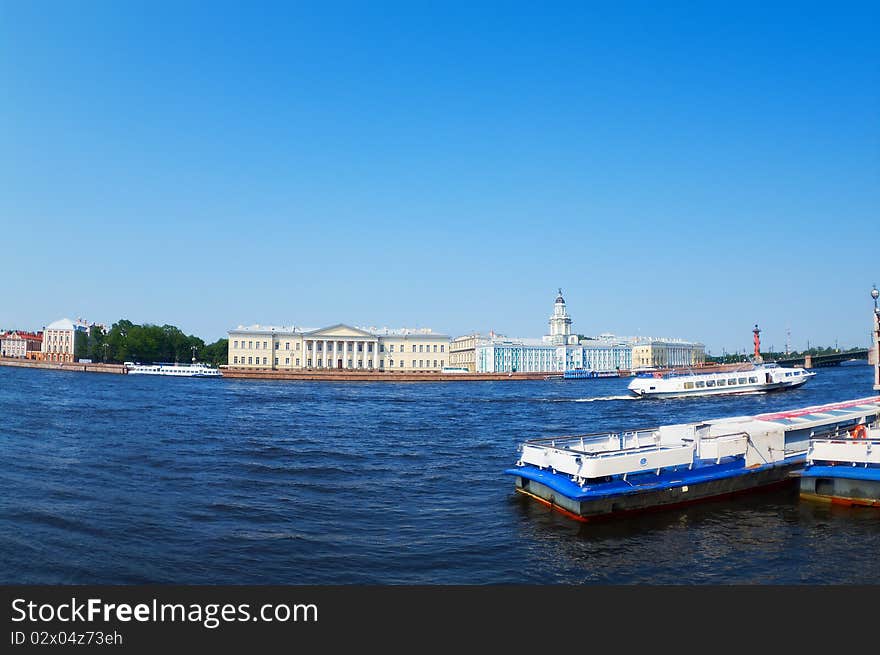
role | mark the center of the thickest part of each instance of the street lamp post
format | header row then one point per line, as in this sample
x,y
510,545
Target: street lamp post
x,y
875,294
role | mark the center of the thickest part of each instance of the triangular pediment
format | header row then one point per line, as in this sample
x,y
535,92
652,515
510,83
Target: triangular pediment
x,y
339,331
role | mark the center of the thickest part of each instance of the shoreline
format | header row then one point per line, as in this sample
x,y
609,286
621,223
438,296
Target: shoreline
x,y
373,376
239,373
74,367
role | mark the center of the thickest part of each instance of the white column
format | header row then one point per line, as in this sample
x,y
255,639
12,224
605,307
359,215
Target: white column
x,y
375,355
326,347
335,342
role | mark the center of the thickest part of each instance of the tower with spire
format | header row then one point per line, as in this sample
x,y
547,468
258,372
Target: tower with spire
x,y
560,322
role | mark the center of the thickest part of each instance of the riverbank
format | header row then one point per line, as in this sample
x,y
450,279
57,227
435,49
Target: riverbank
x,y
78,367
373,376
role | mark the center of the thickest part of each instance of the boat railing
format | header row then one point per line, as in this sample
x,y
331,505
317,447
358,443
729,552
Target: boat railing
x,y
598,455
846,447
600,441
723,445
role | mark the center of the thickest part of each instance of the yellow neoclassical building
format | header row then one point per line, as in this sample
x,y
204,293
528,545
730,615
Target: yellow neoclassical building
x,y
338,347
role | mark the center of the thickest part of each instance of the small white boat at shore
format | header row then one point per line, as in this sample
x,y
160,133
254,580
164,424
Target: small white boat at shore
x,y
198,370
757,378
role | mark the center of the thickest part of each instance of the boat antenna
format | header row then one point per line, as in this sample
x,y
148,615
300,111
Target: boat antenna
x,y
194,354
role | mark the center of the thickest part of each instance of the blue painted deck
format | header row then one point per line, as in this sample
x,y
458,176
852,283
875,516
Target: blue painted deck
x,y
845,471
648,481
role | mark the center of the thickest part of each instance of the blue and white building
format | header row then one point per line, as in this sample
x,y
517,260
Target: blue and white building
x,y
561,351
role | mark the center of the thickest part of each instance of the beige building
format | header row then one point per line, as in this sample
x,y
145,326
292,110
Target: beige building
x,y
58,341
463,351
339,347
662,353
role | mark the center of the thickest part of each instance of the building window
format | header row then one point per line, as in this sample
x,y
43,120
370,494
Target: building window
x,y
265,345
297,361
441,347
435,361
276,361
421,348
381,347
250,344
441,363
235,344
435,347
309,362
287,360
414,349
250,360
390,362
235,360
287,346
297,345
264,359
401,363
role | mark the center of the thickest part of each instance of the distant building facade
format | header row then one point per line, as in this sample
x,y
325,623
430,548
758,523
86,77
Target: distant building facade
x,y
59,340
463,351
338,347
20,344
602,356
667,353
515,356
561,350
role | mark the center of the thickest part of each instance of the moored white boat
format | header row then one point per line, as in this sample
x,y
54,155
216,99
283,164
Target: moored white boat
x,y
598,475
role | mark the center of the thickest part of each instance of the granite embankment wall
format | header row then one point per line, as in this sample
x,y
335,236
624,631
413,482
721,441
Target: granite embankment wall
x,y
374,376
64,366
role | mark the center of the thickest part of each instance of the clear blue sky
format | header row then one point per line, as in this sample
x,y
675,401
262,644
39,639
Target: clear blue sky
x,y
678,169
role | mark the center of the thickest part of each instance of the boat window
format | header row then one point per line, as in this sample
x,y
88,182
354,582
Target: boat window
x,y
797,372
742,380
710,383
753,380
700,384
731,381
721,383
688,385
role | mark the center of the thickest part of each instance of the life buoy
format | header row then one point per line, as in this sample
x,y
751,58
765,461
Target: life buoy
x,y
859,432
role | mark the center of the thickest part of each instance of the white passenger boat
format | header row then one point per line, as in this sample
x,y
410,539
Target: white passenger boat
x,y
196,370
757,378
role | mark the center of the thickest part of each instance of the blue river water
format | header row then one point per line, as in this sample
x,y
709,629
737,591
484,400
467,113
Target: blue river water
x,y
111,479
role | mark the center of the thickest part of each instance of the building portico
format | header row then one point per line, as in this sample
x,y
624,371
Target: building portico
x,y
341,347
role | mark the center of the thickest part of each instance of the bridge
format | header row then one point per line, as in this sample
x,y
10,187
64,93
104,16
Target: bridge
x,y
818,361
